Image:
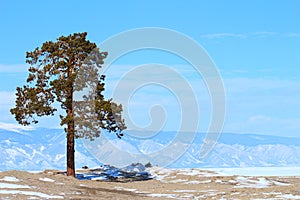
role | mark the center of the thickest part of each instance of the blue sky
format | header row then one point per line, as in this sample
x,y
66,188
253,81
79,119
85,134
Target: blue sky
x,y
254,44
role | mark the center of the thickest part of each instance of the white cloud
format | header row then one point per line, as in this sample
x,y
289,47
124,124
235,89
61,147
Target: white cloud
x,y
258,34
259,119
4,68
179,80
293,34
244,84
241,71
266,125
254,105
250,100
15,127
262,34
7,101
262,105
7,98
223,35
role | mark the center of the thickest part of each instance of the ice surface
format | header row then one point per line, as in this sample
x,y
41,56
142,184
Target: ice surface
x,y
258,171
189,172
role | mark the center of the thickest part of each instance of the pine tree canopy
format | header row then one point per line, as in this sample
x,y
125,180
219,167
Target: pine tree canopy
x,y
58,71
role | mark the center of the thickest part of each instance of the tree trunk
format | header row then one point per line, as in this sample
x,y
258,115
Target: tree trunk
x,y
70,132
70,141
70,150
71,125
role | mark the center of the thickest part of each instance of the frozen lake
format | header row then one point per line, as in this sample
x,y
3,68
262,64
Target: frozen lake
x,y
258,171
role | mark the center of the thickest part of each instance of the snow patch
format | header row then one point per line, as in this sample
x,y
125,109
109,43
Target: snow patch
x,y
289,196
171,196
31,193
125,189
189,172
244,182
178,181
100,178
13,186
46,179
184,190
280,183
198,182
10,179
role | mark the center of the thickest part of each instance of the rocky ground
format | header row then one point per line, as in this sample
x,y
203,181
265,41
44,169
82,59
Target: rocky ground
x,y
166,184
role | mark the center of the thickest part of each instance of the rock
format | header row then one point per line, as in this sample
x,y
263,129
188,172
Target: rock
x,y
133,172
134,167
148,165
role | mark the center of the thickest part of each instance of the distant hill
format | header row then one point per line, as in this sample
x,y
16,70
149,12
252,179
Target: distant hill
x,y
38,149
247,150
41,149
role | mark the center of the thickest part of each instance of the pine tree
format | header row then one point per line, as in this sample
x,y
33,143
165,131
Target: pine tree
x,y
57,71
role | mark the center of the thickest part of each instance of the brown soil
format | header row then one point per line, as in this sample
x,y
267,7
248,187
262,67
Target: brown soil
x,y
167,184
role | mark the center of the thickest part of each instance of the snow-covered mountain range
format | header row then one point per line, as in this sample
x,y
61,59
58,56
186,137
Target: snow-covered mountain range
x,y
40,149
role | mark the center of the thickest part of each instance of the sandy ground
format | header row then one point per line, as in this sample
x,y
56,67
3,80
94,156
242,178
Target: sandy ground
x,y
167,184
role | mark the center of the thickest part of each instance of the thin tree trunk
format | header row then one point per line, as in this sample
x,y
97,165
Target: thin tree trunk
x,y
70,145
70,132
70,150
